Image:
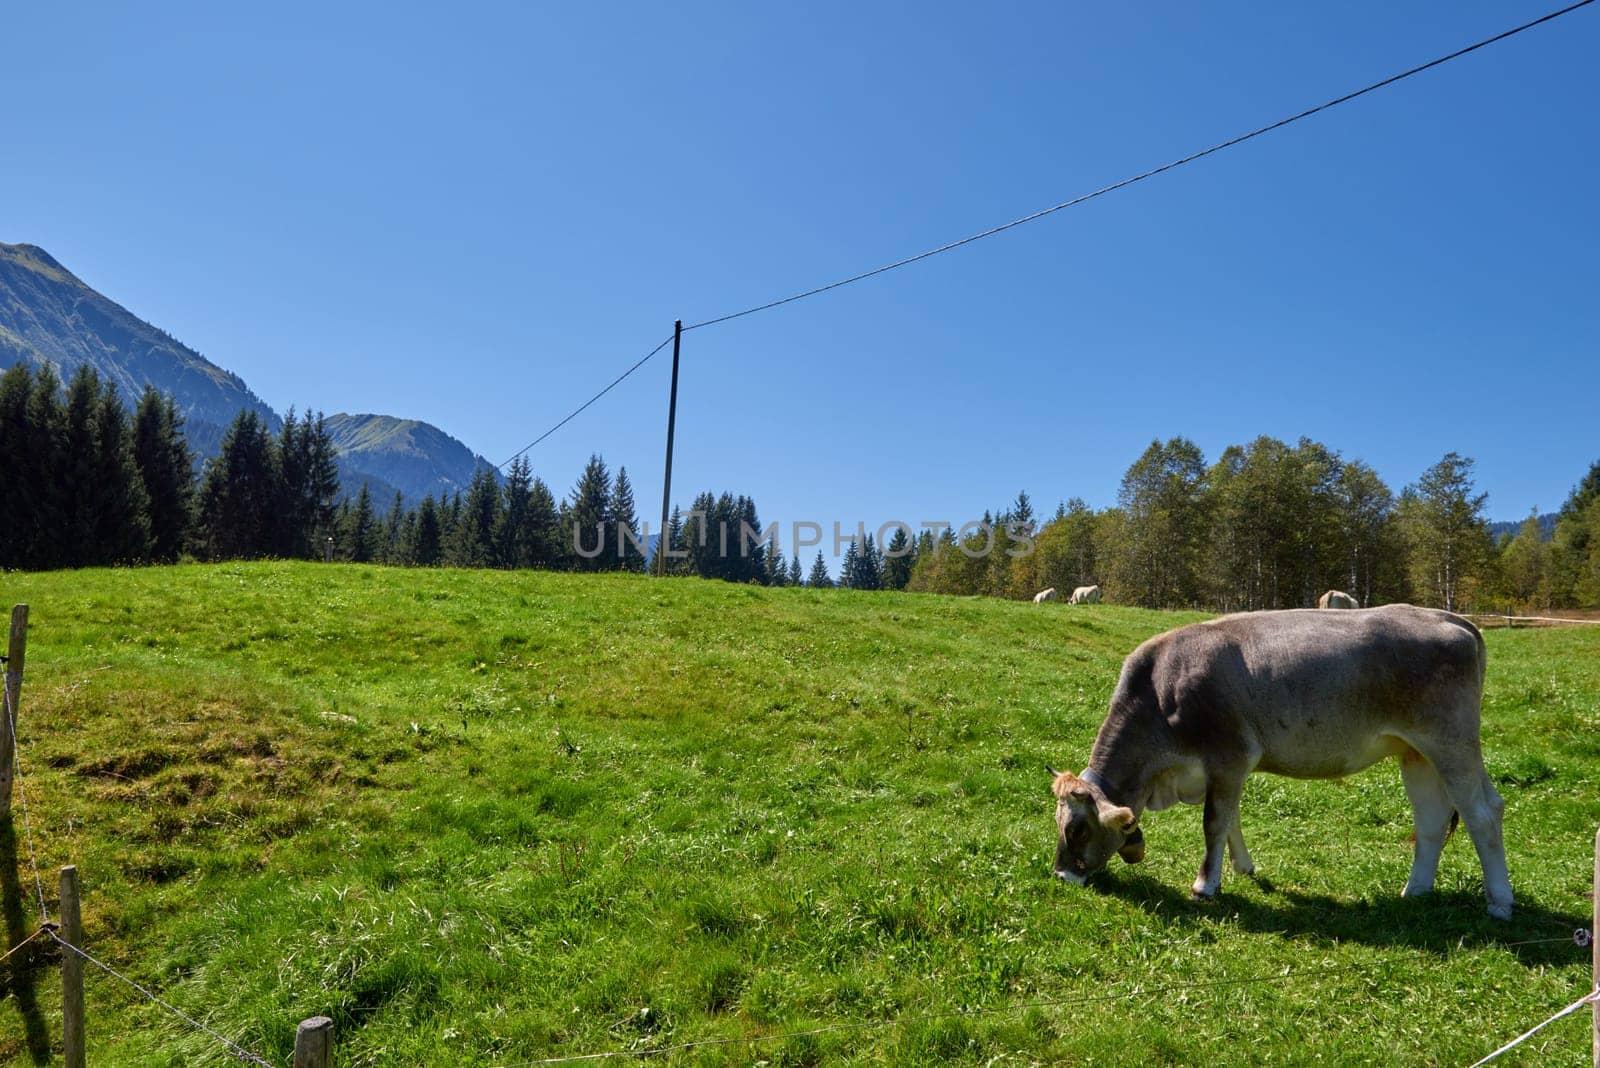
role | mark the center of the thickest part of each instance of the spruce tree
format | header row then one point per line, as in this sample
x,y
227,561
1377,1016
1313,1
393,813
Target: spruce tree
x,y
320,489
588,515
545,547
673,564
775,571
425,545
796,576
701,538
473,542
77,494
899,561
512,541
122,510
360,529
167,470
292,534
44,470
819,577
850,568
626,556
391,549
1022,509
18,532
240,493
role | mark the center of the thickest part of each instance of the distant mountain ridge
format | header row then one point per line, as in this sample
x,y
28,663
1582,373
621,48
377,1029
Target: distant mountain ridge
x,y
49,315
404,452
1547,526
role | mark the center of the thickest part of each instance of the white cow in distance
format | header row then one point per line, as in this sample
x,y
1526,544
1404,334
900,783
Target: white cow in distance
x,y
1045,595
1085,595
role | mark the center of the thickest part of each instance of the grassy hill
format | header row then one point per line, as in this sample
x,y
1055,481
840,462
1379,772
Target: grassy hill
x,y
481,818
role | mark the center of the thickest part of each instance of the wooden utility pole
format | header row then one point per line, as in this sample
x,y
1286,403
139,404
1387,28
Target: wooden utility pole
x,y
71,971
666,482
15,654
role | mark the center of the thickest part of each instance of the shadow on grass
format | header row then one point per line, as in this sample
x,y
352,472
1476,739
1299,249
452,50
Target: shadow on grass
x,y
1437,923
19,978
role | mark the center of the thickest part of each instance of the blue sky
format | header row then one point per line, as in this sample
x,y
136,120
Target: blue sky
x,y
479,217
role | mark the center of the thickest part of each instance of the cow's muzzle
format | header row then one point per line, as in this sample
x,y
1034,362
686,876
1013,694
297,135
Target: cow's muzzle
x,y
1075,878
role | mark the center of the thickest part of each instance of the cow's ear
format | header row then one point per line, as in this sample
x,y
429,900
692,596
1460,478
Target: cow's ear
x,y
1122,819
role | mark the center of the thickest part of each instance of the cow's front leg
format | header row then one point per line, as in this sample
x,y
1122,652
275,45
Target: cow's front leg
x,y
1222,817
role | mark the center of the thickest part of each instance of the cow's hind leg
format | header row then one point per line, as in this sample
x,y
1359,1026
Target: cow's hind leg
x,y
1238,855
1430,813
1474,796
1221,821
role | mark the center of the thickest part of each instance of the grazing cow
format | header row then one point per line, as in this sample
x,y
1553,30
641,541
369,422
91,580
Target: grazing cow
x,y
1045,595
1309,694
1085,595
1337,599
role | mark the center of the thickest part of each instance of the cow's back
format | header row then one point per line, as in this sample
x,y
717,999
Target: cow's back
x,y
1315,693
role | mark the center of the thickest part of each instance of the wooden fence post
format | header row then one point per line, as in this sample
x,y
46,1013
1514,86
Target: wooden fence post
x,y
313,1043
71,971
13,693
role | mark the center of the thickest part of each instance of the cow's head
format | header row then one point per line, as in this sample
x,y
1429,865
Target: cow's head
x,y
1090,829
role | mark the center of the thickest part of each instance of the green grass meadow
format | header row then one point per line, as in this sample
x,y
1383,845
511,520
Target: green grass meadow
x,y
481,818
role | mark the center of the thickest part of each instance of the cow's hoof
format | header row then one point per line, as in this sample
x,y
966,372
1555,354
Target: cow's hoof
x,y
1201,892
1500,912
1246,868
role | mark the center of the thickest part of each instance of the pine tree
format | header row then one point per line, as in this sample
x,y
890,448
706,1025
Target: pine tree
x,y
292,535
819,577
512,541
19,532
775,570
76,494
122,519
167,470
672,544
360,529
543,534
701,537
899,561
391,549
240,492
425,545
624,526
1022,510
796,576
586,521
472,543
850,568
870,566
320,489
44,470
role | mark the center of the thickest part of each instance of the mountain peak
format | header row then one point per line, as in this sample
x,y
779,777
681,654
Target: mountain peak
x,y
37,259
